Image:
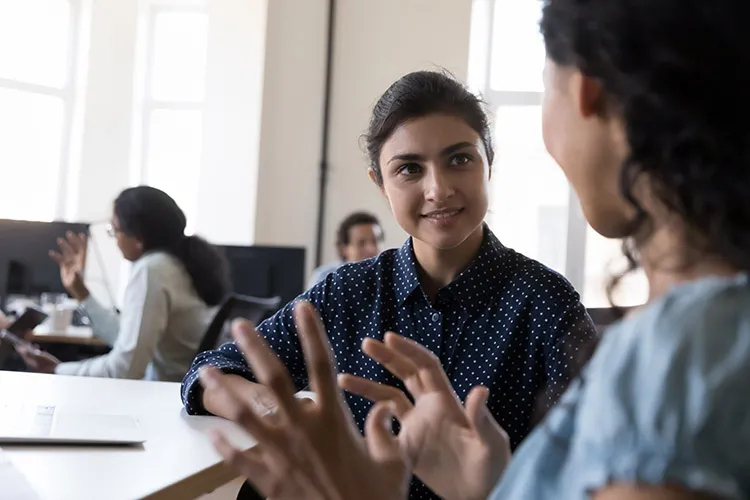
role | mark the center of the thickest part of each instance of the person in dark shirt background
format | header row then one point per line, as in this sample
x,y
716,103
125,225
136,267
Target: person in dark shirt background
x,y
491,315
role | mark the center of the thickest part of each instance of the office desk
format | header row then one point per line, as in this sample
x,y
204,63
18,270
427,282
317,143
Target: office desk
x,y
77,335
176,462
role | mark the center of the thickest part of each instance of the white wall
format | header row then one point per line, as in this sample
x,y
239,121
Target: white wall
x,y
231,123
292,123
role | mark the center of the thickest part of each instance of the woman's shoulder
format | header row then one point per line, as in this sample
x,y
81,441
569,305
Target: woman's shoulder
x,y
666,387
706,317
159,266
664,396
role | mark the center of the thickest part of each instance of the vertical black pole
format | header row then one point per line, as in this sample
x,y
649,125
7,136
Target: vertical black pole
x,y
324,141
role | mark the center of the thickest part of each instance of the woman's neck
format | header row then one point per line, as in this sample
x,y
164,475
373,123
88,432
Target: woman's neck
x,y
438,268
667,261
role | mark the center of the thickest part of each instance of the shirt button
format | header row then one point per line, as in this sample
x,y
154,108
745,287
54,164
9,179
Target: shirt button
x,y
435,317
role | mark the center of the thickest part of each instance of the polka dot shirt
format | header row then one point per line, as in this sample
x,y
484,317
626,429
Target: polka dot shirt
x,y
507,322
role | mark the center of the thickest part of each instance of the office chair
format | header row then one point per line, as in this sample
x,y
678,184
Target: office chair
x,y
603,317
235,306
239,306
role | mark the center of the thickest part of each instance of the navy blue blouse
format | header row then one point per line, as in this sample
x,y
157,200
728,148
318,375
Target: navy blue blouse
x,y
507,322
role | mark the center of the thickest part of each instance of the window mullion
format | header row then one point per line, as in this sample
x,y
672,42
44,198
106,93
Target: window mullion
x,y
68,96
32,87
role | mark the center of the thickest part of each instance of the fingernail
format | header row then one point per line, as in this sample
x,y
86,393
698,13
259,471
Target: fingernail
x,y
388,420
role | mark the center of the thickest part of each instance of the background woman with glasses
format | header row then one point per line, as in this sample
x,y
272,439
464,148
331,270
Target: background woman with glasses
x,y
176,281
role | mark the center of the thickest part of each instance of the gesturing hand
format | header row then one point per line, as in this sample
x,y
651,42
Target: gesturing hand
x,y
459,452
72,262
309,451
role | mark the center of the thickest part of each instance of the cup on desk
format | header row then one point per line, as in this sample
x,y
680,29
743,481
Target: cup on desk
x,y
60,319
59,311
50,301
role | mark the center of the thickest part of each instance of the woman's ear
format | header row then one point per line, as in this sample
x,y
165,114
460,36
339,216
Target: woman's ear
x,y
590,96
377,180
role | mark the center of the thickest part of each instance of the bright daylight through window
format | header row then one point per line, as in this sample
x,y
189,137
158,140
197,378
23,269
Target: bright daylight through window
x,y
36,81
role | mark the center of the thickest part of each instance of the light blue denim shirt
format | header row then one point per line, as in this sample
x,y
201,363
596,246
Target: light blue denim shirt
x,y
666,399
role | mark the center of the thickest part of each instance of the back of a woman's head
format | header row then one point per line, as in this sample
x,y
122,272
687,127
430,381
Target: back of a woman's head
x,y
419,94
677,71
151,216
154,218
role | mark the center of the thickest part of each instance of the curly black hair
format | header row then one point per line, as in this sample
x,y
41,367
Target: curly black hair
x,y
678,71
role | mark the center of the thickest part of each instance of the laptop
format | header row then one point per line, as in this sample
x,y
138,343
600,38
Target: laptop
x,y
49,424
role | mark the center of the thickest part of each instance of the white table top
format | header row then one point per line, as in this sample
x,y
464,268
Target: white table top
x,y
82,335
176,462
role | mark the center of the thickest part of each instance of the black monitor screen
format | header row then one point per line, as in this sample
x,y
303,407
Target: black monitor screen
x,y
267,271
25,266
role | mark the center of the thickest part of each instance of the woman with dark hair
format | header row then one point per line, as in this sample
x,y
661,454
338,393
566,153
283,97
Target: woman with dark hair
x,y
490,315
645,111
175,284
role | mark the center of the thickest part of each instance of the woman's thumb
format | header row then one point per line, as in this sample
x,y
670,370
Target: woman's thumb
x,y
480,418
381,442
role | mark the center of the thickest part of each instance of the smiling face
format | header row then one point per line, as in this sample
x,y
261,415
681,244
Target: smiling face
x,y
436,176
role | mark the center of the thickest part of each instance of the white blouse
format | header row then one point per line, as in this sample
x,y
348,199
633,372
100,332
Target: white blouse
x,y
156,336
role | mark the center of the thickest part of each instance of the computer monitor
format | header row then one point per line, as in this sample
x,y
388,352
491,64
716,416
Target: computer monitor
x,y
261,271
25,266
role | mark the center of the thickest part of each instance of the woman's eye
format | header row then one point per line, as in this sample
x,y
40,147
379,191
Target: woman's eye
x,y
460,159
409,169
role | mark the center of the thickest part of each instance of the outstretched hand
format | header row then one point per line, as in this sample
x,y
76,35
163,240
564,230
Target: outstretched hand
x,y
72,261
311,451
460,452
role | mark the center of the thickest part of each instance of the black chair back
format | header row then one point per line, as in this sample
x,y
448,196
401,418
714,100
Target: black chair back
x,y
603,317
235,306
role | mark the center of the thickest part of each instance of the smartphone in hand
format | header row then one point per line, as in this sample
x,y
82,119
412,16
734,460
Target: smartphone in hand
x,y
30,319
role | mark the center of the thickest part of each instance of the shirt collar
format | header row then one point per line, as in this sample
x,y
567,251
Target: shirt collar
x,y
471,288
405,277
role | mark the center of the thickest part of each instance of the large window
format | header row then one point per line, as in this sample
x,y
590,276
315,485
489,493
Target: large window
x,y
533,208
174,95
37,57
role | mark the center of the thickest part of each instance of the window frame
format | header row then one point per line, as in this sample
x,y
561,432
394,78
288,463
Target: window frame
x,y
149,104
67,94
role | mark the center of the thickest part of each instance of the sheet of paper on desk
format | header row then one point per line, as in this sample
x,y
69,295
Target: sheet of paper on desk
x,y
14,485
